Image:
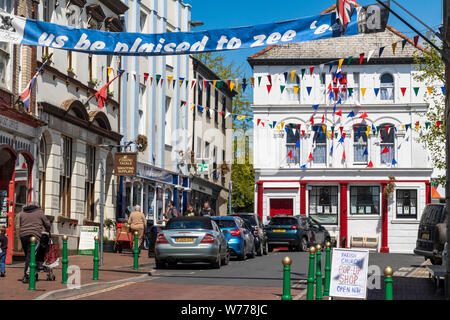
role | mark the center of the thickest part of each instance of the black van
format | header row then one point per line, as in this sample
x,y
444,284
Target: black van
x,y
429,239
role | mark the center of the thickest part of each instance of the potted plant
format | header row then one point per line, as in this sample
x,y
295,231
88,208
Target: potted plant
x,y
92,83
70,72
108,245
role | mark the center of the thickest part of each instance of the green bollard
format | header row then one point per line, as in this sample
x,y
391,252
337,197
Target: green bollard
x,y
136,251
32,265
286,279
310,288
64,261
319,293
96,260
326,290
388,272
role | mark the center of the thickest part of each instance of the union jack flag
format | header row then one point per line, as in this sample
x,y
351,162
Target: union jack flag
x,y
344,11
25,96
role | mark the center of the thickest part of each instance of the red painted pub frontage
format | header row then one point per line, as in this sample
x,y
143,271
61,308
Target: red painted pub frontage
x,y
18,148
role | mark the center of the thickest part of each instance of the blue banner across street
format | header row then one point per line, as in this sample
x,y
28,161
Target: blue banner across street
x,y
14,29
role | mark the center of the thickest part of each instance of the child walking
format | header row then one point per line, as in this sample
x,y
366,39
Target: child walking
x,y
3,247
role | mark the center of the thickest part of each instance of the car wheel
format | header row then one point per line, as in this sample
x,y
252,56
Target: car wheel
x,y
160,264
226,260
291,248
304,244
266,248
260,251
172,264
253,253
435,261
217,263
270,248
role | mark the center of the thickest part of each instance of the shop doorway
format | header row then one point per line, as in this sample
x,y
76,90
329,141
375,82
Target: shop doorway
x,y
281,206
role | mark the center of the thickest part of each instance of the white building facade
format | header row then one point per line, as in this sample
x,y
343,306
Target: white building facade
x,y
333,158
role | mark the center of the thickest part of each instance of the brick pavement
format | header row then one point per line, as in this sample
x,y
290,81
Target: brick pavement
x,y
116,266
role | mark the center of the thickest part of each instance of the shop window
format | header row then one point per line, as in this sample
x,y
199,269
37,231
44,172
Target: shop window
x,y
151,202
292,137
224,109
365,200
216,106
320,144
407,204
387,87
42,168
136,194
208,100
323,204
387,139
90,182
360,147
65,177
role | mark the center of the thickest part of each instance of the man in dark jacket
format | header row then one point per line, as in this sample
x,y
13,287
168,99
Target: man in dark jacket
x,y
207,210
32,222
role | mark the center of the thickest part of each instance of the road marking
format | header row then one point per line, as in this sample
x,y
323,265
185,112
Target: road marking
x,y
88,294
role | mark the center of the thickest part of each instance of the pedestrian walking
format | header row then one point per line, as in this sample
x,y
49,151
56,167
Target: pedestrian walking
x,y
207,210
32,221
138,223
3,248
171,212
190,211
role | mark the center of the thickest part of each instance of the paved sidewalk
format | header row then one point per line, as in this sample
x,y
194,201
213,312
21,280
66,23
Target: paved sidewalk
x,y
116,266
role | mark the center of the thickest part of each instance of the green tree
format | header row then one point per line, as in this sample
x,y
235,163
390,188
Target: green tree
x,y
242,173
431,70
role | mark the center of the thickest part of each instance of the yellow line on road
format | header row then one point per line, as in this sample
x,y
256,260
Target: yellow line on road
x,y
99,291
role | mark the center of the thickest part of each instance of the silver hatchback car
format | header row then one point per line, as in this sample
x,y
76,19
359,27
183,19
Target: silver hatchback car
x,y
191,239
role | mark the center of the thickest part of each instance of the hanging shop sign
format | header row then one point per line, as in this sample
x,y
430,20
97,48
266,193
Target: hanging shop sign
x,y
19,30
125,163
152,173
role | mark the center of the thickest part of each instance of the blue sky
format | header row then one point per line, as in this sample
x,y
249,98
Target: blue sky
x,y
224,14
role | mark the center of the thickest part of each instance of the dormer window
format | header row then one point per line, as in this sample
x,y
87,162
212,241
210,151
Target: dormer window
x,y
387,87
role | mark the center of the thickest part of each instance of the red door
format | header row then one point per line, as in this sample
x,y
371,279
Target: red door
x,y
281,206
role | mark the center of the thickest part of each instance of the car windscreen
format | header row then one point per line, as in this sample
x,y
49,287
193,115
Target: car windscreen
x,y
189,224
225,223
283,221
250,220
433,215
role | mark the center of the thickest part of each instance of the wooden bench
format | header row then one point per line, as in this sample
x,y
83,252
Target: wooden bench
x,y
437,273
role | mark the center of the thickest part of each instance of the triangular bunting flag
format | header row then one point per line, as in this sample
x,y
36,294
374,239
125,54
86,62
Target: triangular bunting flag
x,y
311,70
370,55
349,60
385,150
380,52
403,91
269,87
416,90
404,43
364,115
370,165
363,91
296,89
430,90
376,90
394,45
361,58
292,75
350,92
416,40
282,88
309,90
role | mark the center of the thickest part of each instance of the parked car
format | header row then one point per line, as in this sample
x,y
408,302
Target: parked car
x,y
191,239
257,227
296,232
431,236
240,239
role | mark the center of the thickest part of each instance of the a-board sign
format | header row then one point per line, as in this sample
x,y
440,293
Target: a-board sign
x,y
349,269
125,163
86,245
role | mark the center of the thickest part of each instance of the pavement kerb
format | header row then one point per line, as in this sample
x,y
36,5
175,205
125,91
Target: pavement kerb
x,y
66,293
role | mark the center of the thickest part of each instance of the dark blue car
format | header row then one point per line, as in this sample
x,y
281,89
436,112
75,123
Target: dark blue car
x,y
240,240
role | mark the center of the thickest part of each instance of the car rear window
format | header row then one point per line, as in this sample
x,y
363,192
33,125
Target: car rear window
x,y
189,224
433,215
283,221
225,223
250,220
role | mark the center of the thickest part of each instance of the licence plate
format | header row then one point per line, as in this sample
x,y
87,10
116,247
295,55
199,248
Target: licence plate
x,y
185,240
425,236
279,230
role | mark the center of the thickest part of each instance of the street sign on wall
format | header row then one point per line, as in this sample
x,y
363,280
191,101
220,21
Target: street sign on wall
x,y
125,163
349,273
